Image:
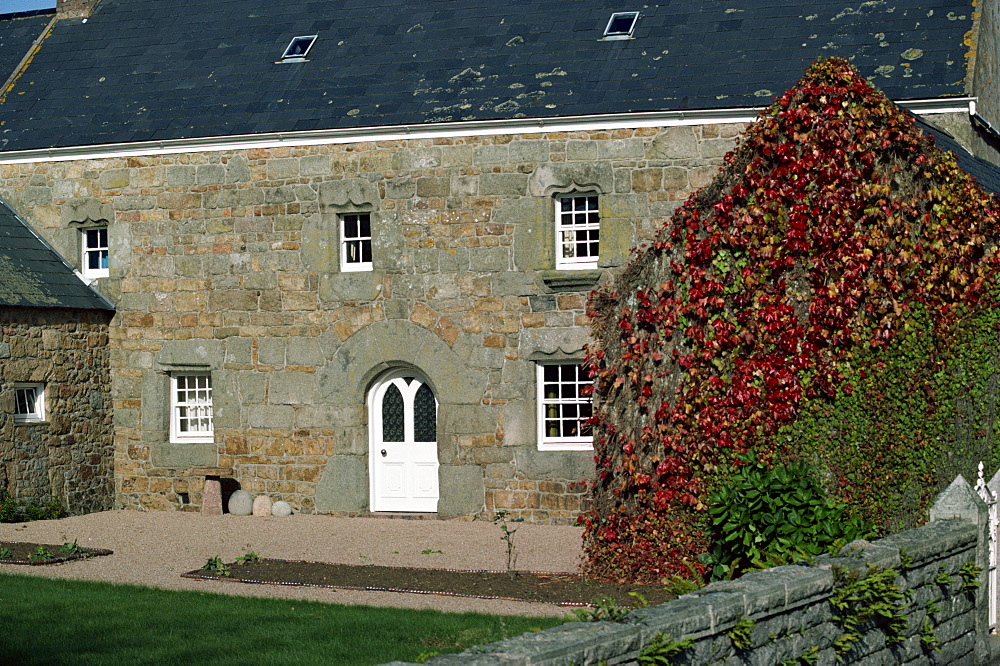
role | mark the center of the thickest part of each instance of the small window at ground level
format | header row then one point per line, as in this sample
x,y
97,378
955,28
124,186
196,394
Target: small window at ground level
x,y
578,231
621,25
191,408
564,407
356,242
29,403
95,252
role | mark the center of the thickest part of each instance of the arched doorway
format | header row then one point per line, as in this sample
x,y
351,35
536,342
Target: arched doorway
x,y
402,457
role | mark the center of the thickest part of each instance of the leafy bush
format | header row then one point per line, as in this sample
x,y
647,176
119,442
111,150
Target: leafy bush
x,y
768,516
13,510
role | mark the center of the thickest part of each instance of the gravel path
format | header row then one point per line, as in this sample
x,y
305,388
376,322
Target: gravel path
x,y
154,548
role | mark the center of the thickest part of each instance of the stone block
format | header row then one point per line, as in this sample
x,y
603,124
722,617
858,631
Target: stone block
x,y
675,143
490,258
491,155
581,150
455,156
237,169
113,179
211,174
503,184
620,149
272,417
291,388
314,165
529,151
343,485
349,194
550,178
462,490
403,187
279,195
433,187
571,465
618,237
625,206
182,456
467,419
282,168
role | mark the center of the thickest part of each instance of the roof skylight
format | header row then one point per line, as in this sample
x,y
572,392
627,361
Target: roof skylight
x,y
620,25
298,48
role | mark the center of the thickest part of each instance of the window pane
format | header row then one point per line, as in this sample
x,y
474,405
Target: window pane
x,y
392,415
424,415
566,403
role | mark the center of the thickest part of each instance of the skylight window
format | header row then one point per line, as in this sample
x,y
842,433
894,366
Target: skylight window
x,y
620,25
298,48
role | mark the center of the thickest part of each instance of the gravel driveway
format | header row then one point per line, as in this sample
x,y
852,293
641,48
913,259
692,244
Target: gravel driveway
x,y
154,548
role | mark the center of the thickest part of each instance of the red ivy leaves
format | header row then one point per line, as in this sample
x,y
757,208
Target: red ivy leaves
x,y
834,216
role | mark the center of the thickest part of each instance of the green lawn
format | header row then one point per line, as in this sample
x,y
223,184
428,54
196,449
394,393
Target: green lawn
x,y
45,621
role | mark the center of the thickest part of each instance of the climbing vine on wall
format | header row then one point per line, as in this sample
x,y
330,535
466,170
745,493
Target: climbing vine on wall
x,y
838,253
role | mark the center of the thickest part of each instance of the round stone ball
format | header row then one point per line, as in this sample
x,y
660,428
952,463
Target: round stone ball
x,y
262,505
241,503
281,509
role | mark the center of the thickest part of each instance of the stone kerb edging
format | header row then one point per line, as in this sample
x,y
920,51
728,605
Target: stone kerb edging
x,y
788,612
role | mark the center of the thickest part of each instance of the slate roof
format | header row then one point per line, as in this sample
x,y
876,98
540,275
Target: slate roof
x,y
17,33
32,274
141,70
986,173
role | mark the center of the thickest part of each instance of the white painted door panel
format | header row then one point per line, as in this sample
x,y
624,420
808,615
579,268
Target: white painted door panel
x,y
403,463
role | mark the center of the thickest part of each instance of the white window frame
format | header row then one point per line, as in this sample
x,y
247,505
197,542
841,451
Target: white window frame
x,y
550,409
29,403
608,35
351,245
98,250
570,223
183,399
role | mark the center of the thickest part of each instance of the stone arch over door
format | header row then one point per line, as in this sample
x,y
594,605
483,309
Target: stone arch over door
x,y
353,368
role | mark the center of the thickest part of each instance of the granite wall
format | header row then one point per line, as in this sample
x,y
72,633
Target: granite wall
x,y
785,615
70,455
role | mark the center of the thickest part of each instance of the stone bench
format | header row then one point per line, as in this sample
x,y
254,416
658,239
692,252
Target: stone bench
x,y
211,494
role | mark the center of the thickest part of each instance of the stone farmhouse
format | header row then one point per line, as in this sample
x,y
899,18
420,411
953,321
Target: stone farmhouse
x,y
350,243
56,435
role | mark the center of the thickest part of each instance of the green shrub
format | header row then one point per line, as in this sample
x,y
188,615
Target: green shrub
x,y
768,516
13,510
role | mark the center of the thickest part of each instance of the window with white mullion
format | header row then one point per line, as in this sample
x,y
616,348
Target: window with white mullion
x,y
564,407
95,251
578,231
29,403
191,408
356,242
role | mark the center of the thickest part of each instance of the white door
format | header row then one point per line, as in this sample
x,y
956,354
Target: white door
x,y
403,462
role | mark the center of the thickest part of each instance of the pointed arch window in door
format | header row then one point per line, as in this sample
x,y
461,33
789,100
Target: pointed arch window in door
x,y
424,415
392,415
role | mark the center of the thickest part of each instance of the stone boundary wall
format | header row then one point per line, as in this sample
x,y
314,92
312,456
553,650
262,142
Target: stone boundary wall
x,y
70,455
790,611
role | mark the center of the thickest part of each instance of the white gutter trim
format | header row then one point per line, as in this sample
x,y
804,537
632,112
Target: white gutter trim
x,y
431,131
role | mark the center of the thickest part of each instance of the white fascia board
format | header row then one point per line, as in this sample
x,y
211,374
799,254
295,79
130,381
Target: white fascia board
x,y
609,121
